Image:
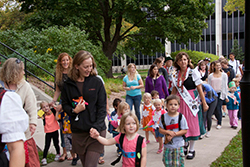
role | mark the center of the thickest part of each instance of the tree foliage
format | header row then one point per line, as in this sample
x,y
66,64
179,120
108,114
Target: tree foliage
x,y
237,50
104,20
234,5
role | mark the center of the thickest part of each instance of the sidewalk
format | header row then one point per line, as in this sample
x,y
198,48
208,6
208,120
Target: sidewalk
x,y
207,149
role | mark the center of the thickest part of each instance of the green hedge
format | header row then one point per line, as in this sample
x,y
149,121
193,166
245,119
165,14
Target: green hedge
x,y
196,56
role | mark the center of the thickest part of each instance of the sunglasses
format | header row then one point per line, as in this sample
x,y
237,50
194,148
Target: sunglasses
x,y
18,61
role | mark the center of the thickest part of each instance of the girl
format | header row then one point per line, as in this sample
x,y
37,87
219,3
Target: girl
x,y
156,120
147,111
218,80
203,69
51,129
233,101
129,125
122,109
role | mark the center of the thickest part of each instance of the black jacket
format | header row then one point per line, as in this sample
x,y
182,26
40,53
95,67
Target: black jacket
x,y
230,73
95,95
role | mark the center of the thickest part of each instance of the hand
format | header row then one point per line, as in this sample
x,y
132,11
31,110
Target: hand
x,y
32,128
205,107
58,108
127,88
132,87
169,138
171,133
80,106
94,133
52,104
227,100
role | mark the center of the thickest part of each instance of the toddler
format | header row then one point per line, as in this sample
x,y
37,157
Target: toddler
x,y
233,101
51,129
147,111
128,139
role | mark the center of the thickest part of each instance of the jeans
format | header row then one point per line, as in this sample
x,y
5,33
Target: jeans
x,y
136,101
207,115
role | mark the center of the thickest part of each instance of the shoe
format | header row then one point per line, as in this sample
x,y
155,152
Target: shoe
x,y
234,127
218,127
159,151
44,161
223,114
147,141
119,153
62,158
74,161
101,161
186,148
57,157
191,155
201,137
214,118
207,134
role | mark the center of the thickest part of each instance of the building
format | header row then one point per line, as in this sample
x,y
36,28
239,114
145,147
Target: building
x,y
217,39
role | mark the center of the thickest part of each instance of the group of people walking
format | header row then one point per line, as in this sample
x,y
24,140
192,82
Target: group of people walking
x,y
180,118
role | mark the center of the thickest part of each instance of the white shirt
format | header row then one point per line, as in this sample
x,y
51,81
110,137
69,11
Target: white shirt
x,y
236,65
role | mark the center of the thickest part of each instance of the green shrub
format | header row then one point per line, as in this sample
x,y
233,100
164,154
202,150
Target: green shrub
x,y
196,56
43,47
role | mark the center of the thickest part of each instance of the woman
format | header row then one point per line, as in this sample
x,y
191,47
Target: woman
x,y
188,85
11,76
203,69
218,81
155,81
64,64
132,83
84,100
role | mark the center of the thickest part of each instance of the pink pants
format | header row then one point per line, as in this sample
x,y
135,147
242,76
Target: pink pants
x,y
233,117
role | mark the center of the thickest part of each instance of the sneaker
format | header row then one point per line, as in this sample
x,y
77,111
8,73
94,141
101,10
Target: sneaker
x,y
234,127
218,127
201,137
44,161
207,134
57,157
147,141
223,114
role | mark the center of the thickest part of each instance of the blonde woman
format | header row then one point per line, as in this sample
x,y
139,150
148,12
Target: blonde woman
x,y
11,77
132,83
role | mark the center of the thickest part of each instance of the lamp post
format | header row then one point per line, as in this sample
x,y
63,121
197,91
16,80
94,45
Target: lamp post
x,y
245,91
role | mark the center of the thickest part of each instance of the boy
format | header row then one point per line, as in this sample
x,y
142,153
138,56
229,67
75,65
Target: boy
x,y
114,116
174,126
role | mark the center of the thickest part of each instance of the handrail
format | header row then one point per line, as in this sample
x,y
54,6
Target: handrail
x,y
25,63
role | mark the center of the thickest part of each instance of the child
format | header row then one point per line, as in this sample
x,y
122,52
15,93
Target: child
x,y
129,125
173,127
51,129
114,116
233,101
237,84
155,94
156,120
147,111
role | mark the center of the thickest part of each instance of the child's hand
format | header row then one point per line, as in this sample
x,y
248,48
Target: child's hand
x,y
227,100
171,133
169,138
94,133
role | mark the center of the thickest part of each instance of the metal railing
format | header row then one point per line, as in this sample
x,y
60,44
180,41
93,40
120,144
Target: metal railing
x,y
26,60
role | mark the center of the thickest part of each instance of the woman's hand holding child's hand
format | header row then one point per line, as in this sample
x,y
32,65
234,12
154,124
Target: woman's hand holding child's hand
x,y
80,106
94,133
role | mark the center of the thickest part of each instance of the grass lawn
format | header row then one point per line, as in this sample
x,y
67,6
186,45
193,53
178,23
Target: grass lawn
x,y
232,155
50,157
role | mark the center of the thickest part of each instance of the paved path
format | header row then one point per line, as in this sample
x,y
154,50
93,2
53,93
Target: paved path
x,y
207,149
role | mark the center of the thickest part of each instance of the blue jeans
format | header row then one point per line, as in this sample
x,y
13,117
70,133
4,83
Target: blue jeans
x,y
136,101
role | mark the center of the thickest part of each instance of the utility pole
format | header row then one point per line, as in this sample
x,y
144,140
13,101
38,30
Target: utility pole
x,y
245,91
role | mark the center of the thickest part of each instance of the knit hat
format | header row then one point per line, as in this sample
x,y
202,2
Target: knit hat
x,y
231,84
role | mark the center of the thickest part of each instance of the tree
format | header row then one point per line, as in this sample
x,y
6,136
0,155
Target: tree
x,y
103,20
234,5
237,50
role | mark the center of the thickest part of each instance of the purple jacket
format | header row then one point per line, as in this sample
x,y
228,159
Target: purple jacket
x,y
159,85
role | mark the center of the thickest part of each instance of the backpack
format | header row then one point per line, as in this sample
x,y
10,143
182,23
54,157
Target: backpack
x,y
179,125
3,158
138,150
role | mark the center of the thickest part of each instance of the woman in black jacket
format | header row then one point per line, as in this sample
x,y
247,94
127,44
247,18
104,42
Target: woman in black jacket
x,y
84,100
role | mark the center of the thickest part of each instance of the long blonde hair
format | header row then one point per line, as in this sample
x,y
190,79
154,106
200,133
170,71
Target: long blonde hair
x,y
11,72
134,77
59,67
121,127
77,60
